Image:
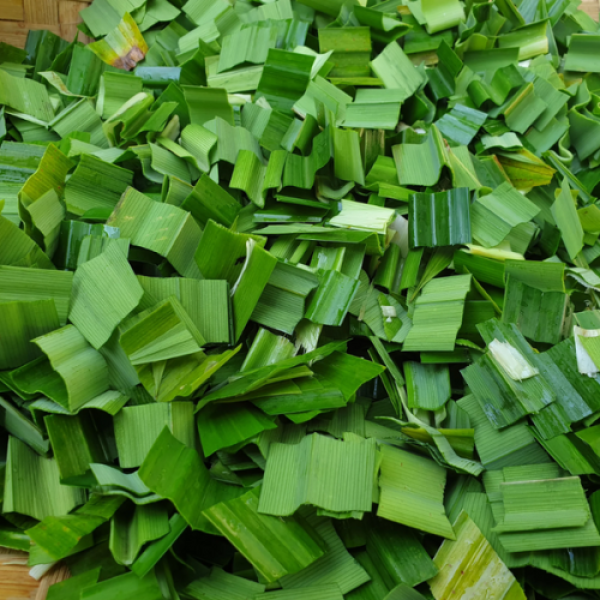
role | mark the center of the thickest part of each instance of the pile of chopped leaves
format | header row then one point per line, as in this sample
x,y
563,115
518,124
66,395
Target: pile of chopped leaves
x,y
300,300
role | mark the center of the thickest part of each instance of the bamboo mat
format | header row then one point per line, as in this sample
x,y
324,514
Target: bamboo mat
x,y
61,17
19,16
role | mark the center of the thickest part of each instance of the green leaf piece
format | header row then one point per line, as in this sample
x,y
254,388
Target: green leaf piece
x,y
397,555
428,386
82,372
284,78
221,584
565,215
82,193
26,470
396,71
129,533
160,333
137,216
486,571
174,471
494,216
208,200
247,289
438,315
440,219
582,52
223,426
206,302
20,322
403,500
138,427
105,291
336,476
275,547
332,299
421,164
338,567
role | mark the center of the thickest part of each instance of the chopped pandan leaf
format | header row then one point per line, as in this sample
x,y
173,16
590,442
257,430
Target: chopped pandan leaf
x,y
129,532
336,476
174,471
160,333
123,47
137,216
403,500
75,374
105,291
439,219
438,314
275,547
338,567
206,302
137,428
223,583
125,585
25,468
495,215
58,536
397,554
485,571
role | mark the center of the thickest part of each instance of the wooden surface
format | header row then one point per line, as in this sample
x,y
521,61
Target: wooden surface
x,y
591,7
61,17
19,16
15,582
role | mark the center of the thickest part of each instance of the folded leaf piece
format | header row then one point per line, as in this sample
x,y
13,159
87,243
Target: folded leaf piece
x,y
274,546
138,216
338,567
421,164
58,536
428,386
583,53
138,427
222,584
163,332
105,291
397,555
510,446
82,192
224,425
206,302
284,78
565,214
20,322
27,471
543,504
440,219
329,474
123,47
251,282
82,370
176,472
438,315
396,71
469,565
495,215
412,492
